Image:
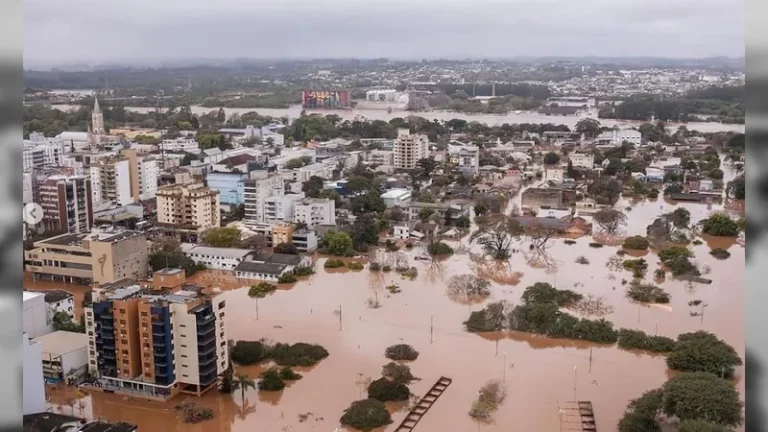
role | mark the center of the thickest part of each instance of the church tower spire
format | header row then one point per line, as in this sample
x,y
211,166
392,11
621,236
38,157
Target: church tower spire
x,y
97,122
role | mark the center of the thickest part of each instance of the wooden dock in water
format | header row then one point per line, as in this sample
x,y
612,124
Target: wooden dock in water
x,y
577,416
426,402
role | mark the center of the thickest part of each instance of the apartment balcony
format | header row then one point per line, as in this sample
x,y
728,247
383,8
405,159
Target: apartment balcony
x,y
109,355
205,360
163,372
160,351
209,349
203,340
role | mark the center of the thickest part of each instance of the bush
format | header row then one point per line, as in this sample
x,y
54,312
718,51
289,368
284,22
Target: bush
x,y
582,260
653,194
270,380
569,242
702,426
647,293
720,253
600,331
287,278
374,266
660,275
338,243
333,263
411,273
636,339
304,270
636,243
463,222
642,413
261,289
677,260
386,268
637,266
721,225
298,354
391,246
702,396
195,413
248,352
490,396
354,265
287,374
366,415
398,373
385,390
595,245
286,248
401,352
439,248
703,352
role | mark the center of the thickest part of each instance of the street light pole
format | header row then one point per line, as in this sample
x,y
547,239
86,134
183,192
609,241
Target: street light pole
x,y
505,369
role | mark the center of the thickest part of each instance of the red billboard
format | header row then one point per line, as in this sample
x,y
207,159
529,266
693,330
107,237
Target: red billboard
x,y
323,99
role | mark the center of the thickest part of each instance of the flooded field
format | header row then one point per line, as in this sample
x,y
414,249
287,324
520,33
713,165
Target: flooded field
x,y
331,308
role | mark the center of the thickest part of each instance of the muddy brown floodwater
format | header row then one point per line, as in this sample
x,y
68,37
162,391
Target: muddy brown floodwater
x,y
538,372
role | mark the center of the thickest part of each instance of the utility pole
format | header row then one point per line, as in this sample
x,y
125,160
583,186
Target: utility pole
x,y
504,379
574,384
340,326
590,359
431,329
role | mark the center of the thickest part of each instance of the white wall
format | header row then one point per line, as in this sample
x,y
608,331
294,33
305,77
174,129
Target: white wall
x,y
77,359
148,173
222,351
123,182
67,306
35,315
33,386
185,345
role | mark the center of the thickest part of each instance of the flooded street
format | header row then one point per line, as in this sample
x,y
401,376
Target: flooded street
x,y
490,119
538,372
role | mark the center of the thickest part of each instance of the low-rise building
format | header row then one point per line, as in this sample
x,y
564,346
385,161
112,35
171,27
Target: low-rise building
x,y
179,145
535,198
64,355
213,257
304,240
616,137
270,266
440,209
397,198
466,158
554,174
98,257
582,160
52,422
59,301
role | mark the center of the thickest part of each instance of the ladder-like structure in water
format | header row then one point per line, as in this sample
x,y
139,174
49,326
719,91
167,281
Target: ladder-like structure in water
x,y
577,416
421,408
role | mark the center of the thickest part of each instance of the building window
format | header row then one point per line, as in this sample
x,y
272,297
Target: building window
x,y
183,356
125,352
221,315
222,304
182,325
183,346
144,314
122,311
122,322
223,343
125,362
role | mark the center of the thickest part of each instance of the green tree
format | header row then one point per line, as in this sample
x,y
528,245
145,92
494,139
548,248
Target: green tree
x,y
385,390
337,243
243,383
702,396
642,413
427,166
702,426
270,380
312,187
366,414
721,225
364,231
286,248
703,352
63,321
551,158
589,127
497,237
737,188
224,237
398,373
673,188
368,203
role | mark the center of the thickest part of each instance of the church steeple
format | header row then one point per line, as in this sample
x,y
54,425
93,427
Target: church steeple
x,y
97,122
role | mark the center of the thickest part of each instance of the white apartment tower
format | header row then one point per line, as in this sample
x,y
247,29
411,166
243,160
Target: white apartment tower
x,y
409,148
315,212
256,189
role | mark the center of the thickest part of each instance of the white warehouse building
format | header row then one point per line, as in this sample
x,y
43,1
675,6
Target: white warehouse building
x,y
213,257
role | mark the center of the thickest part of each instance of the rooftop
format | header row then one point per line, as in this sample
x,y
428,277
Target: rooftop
x,y
395,193
54,296
29,295
261,267
191,248
62,342
48,422
276,258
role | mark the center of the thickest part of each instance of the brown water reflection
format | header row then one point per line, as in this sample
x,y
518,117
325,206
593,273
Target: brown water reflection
x,y
539,371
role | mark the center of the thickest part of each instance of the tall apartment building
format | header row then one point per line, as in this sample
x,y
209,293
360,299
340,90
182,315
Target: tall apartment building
x,y
409,148
315,212
256,189
191,207
157,343
99,257
280,207
40,151
148,173
112,181
66,202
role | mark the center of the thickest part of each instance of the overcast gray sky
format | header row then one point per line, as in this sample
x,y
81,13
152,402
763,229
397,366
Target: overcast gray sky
x,y
96,31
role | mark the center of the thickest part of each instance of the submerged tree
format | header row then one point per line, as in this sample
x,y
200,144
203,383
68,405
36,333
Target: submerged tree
x,y
610,220
468,286
497,236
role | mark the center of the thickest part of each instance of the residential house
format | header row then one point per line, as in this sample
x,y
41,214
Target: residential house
x,y
396,198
